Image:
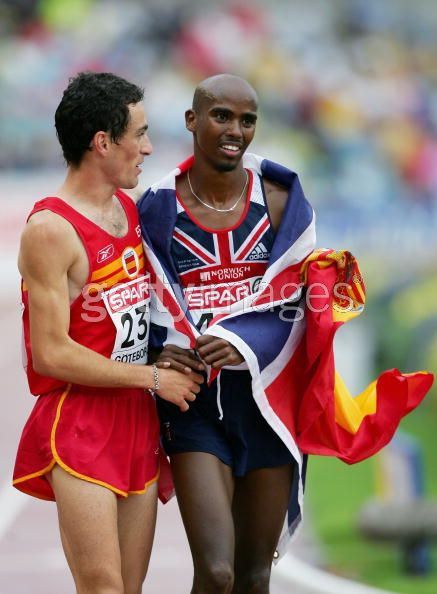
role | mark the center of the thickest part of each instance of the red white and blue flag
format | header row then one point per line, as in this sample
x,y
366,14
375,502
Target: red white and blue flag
x,y
285,332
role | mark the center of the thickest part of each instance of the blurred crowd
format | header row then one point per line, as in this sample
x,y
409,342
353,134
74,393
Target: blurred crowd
x,y
348,88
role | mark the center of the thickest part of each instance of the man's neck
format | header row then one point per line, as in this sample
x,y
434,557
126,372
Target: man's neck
x,y
86,187
93,197
217,187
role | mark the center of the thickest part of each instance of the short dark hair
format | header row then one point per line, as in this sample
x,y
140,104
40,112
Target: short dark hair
x,y
93,101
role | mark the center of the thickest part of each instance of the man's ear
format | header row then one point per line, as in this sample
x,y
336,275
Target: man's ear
x,y
100,142
190,120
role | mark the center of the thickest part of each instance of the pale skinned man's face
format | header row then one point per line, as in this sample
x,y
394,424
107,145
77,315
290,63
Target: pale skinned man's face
x,y
127,154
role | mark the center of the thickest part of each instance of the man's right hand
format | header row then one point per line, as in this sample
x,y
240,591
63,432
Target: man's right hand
x,y
179,388
183,360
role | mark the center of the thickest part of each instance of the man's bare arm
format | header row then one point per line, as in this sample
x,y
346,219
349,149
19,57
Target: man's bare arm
x,y
276,196
47,254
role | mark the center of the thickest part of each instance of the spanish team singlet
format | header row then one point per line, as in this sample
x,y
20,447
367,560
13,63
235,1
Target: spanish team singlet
x,y
106,436
111,315
218,267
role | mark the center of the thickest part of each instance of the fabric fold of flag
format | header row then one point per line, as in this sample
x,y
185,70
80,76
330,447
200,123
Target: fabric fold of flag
x,y
329,420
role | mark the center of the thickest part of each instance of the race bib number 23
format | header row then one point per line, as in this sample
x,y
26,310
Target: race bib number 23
x,y
128,305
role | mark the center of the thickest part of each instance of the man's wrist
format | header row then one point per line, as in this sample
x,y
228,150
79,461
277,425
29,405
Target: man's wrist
x,y
148,381
155,377
153,354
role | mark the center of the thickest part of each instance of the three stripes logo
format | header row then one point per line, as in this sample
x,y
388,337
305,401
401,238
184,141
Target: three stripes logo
x,y
259,253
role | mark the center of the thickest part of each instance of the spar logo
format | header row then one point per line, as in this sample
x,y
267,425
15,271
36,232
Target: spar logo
x,y
125,296
130,262
219,296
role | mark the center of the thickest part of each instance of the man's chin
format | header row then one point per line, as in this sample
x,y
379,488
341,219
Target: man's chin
x,y
130,184
227,166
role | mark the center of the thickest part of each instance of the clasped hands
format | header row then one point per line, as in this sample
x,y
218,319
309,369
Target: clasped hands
x,y
210,350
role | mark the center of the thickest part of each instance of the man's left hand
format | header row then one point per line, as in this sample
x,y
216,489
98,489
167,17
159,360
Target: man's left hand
x,y
217,352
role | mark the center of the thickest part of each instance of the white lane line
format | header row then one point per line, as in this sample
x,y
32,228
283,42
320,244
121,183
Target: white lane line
x,y
12,503
315,581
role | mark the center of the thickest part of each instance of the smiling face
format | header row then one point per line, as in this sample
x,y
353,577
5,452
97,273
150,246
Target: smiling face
x,y
123,165
223,121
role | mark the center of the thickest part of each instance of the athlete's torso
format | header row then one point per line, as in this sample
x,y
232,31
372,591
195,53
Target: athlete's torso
x,y
111,314
218,267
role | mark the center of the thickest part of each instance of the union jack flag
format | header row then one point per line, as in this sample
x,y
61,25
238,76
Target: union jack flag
x,y
241,251
286,343
224,252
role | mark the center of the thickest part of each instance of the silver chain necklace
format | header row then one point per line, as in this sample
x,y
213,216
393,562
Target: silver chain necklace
x,y
213,207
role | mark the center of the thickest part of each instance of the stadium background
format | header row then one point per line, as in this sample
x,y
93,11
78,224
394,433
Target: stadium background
x,y
348,99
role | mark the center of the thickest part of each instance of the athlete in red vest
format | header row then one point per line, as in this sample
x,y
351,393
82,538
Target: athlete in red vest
x,y
92,439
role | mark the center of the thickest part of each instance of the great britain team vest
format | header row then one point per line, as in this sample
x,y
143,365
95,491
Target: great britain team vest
x,y
111,315
220,266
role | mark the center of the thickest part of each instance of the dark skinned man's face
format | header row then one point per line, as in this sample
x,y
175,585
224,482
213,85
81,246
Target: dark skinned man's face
x,y
224,127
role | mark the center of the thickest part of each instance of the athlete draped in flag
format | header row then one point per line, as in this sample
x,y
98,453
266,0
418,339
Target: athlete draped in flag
x,y
233,474
230,242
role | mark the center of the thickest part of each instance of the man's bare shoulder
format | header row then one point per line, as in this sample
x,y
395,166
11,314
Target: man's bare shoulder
x,y
275,190
47,229
47,222
47,237
276,196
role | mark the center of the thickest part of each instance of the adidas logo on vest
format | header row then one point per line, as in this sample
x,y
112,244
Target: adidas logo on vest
x,y
259,253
